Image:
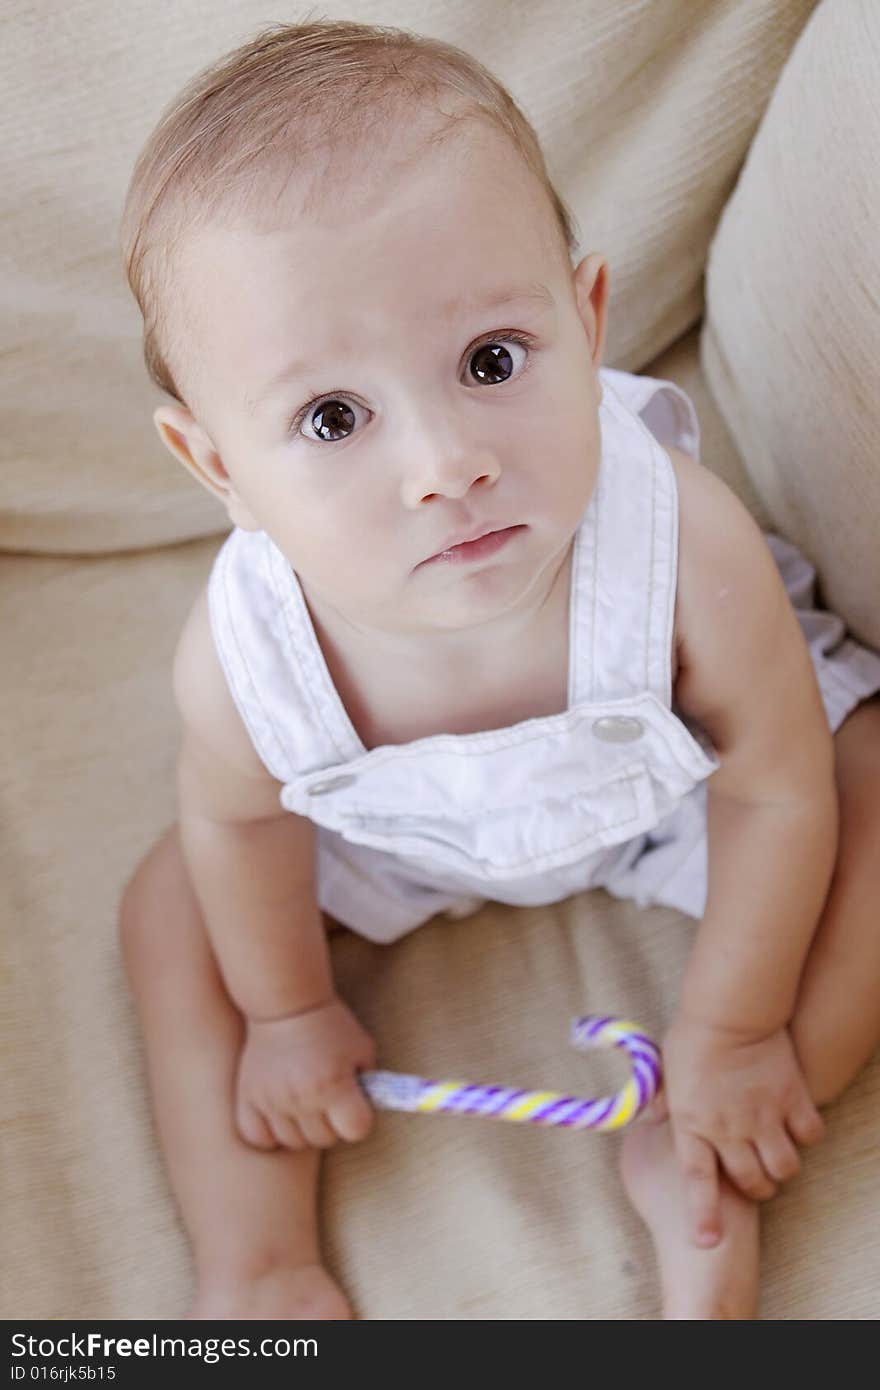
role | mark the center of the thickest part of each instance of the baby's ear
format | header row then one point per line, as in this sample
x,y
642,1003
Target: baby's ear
x,y
591,291
184,437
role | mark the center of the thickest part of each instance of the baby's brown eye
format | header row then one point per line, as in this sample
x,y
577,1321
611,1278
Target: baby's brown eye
x,y
491,363
332,420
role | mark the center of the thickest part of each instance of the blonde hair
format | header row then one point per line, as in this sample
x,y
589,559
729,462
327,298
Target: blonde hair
x,y
270,107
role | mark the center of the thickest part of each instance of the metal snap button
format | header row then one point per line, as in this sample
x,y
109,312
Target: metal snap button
x,y
618,728
332,784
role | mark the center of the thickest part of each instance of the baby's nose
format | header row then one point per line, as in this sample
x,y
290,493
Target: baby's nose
x,y
452,475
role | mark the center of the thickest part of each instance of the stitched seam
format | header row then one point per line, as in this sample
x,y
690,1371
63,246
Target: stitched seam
x,y
679,742
534,860
651,584
573,611
672,586
595,530
310,669
665,643
632,772
463,745
653,446
683,414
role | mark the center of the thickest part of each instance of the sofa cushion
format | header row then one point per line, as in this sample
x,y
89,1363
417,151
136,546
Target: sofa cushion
x,y
792,333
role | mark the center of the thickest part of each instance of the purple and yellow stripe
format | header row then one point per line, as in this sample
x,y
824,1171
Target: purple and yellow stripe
x,y
417,1094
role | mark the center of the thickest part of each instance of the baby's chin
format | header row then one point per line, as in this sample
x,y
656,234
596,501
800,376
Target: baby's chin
x,y
457,596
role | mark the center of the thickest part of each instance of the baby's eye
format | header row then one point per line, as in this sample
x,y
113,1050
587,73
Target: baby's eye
x,y
331,420
492,363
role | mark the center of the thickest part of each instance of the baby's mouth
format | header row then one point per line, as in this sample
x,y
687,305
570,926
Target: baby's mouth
x,y
479,548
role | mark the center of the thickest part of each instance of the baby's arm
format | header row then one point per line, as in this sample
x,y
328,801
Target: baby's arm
x,y
733,1082
253,870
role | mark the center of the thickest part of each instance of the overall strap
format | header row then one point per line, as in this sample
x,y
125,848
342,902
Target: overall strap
x,y
274,667
626,548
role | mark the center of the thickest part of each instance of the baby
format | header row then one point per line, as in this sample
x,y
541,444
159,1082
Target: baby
x,y
484,629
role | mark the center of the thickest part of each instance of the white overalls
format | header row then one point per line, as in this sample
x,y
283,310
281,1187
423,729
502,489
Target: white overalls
x,y
610,793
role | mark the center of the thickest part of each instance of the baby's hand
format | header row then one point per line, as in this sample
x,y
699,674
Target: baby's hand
x,y
296,1079
738,1100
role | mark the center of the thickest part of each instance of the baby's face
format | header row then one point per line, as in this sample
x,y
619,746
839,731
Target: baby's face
x,y
399,372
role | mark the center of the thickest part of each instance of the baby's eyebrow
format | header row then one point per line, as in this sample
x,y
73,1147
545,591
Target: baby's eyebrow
x,y
511,295
535,293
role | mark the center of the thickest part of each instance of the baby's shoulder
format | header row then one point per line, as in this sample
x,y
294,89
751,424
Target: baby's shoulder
x,y
729,594
718,538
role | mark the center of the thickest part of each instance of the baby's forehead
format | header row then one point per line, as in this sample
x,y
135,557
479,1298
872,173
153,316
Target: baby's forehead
x,y
342,252
434,208
341,288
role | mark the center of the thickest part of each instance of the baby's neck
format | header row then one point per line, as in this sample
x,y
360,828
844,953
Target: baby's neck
x,y
397,687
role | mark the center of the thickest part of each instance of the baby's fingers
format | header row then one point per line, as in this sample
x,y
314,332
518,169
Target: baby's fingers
x,y
350,1113
699,1169
778,1155
315,1129
288,1132
805,1124
253,1127
743,1166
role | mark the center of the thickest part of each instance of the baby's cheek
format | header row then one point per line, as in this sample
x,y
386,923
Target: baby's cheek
x,y
349,555
574,475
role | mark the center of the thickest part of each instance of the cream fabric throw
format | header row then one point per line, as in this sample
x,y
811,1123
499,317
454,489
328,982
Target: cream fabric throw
x,y
792,348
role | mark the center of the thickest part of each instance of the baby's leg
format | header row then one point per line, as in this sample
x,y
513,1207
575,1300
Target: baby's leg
x,y
250,1214
696,1284
835,1029
836,1024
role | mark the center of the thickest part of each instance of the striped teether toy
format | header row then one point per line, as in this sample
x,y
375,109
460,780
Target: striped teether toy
x,y
396,1091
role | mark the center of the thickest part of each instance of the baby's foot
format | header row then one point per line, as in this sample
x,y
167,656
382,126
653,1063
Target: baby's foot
x,y
721,1282
301,1292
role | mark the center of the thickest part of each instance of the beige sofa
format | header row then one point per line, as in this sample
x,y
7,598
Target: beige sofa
x,y
737,134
